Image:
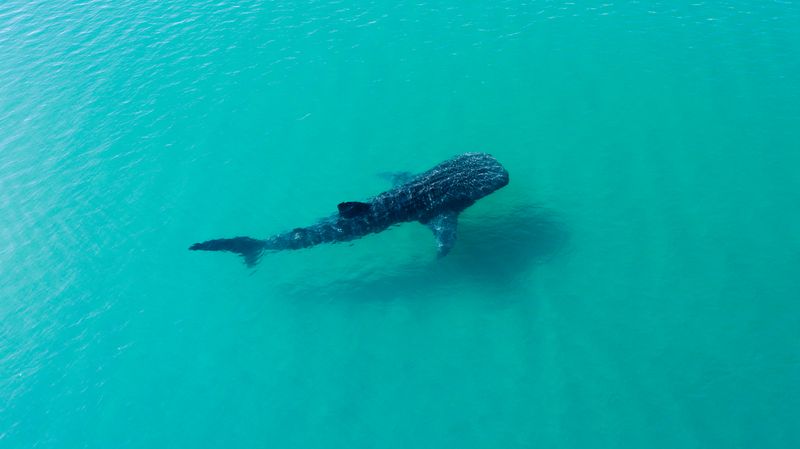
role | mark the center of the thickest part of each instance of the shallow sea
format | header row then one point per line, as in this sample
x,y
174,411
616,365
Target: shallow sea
x,y
636,285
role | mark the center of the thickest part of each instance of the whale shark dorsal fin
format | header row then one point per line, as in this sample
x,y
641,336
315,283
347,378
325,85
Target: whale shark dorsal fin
x,y
352,209
444,227
397,177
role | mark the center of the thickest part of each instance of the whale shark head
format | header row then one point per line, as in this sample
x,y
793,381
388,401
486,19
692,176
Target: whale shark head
x,y
482,173
453,186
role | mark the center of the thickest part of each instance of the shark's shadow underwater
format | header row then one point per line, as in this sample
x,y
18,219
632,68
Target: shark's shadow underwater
x,y
495,252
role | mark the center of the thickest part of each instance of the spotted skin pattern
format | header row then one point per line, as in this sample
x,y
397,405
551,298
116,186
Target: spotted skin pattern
x,y
434,198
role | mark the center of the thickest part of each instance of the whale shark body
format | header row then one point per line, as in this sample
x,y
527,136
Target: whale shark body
x,y
434,198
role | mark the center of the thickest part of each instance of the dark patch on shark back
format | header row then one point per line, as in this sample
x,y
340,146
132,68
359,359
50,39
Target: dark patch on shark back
x,y
352,209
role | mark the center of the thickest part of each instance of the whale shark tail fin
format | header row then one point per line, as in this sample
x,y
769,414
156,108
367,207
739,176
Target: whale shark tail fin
x,y
249,248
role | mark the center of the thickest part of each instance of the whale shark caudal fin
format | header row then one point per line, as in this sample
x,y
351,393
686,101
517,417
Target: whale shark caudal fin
x,y
352,209
444,230
250,249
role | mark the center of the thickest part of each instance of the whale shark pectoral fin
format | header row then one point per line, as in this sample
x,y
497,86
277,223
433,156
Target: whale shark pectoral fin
x,y
398,177
352,209
444,228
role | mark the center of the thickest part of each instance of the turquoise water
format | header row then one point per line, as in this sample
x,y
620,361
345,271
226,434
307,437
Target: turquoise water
x,y
635,285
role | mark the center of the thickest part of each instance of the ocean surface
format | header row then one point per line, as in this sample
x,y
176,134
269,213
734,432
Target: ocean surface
x,y
636,285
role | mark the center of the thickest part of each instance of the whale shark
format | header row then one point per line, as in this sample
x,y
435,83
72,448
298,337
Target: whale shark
x,y
434,198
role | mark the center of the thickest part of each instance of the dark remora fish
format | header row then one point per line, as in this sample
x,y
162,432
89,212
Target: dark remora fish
x,y
434,198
